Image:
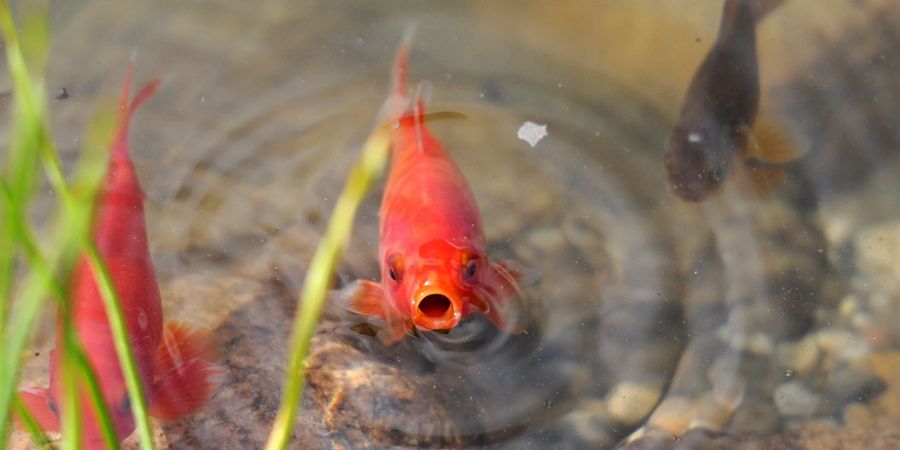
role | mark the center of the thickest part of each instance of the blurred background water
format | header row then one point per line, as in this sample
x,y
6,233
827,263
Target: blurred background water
x,y
753,321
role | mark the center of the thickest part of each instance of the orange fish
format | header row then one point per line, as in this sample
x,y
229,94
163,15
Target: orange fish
x,y
716,124
174,363
435,269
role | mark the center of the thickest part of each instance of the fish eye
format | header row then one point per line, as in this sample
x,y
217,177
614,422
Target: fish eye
x,y
394,268
471,269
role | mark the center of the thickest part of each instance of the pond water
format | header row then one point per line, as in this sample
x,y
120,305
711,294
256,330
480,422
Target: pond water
x,y
748,319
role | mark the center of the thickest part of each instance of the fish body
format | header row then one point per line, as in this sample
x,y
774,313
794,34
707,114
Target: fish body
x,y
174,363
435,269
716,121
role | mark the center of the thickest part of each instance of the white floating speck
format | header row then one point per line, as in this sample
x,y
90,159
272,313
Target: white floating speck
x,y
532,133
694,138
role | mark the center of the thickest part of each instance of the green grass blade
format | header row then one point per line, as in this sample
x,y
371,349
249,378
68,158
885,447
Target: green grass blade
x,y
75,351
30,138
27,136
7,253
73,348
34,430
318,279
113,305
70,420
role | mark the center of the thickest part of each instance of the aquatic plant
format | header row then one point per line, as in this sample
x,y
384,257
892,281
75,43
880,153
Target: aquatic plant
x,y
319,276
31,270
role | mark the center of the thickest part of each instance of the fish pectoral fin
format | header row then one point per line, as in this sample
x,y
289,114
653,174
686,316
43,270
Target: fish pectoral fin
x,y
506,307
367,299
37,402
524,276
391,332
772,143
185,372
362,297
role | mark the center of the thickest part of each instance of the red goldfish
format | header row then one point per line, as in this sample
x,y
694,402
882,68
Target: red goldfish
x,y
434,265
716,125
173,362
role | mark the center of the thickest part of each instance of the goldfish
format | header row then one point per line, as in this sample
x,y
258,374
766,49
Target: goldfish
x,y
174,363
716,125
435,270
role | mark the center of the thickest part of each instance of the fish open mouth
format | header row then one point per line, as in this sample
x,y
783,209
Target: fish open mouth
x,y
436,312
436,306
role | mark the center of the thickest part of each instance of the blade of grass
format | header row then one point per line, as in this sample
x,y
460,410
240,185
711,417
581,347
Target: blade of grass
x,y
98,138
70,418
22,160
30,138
31,425
113,305
7,252
318,279
95,394
73,348
27,136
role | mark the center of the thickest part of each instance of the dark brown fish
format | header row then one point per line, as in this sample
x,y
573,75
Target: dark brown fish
x,y
715,125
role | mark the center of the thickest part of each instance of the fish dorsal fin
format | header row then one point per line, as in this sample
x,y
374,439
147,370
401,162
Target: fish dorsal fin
x,y
398,99
423,90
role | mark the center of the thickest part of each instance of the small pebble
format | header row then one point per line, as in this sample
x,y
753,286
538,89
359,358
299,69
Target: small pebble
x,y
710,414
847,384
842,345
858,416
877,251
630,402
793,399
799,357
587,420
754,417
849,305
672,415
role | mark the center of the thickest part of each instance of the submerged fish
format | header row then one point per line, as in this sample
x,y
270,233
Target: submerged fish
x,y
435,269
174,362
716,124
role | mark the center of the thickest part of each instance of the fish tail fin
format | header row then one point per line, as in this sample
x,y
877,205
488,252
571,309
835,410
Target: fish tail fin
x,y
37,402
126,109
184,372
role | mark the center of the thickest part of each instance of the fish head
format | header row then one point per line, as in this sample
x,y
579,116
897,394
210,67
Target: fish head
x,y
437,285
697,160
